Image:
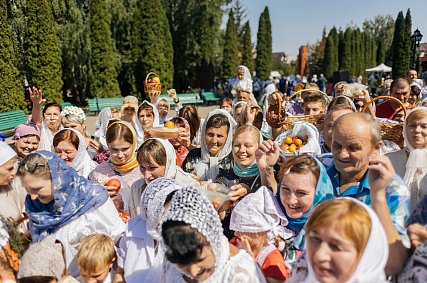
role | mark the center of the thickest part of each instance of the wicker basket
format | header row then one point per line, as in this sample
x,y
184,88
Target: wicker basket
x,y
276,115
152,88
390,131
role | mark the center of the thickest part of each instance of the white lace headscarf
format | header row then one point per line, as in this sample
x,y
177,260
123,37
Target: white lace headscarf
x,y
370,268
153,201
138,127
208,168
416,166
190,206
260,212
82,163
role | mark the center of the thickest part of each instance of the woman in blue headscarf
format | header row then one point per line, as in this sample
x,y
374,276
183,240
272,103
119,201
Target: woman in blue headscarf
x,y
63,203
303,185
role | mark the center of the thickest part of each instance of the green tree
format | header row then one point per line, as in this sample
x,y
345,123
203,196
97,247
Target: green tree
x,y
10,84
247,58
152,43
230,58
103,60
408,41
264,46
345,50
330,62
399,48
42,50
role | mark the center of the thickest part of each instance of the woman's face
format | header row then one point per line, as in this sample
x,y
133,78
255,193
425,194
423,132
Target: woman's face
x,y
203,268
38,188
26,145
120,151
416,131
66,151
152,170
76,126
297,193
146,118
7,172
215,139
237,113
244,147
52,118
332,255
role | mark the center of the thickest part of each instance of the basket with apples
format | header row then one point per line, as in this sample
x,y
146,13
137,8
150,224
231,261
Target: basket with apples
x,y
152,85
302,138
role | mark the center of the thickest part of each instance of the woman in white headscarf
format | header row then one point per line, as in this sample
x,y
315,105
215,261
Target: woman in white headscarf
x,y
156,158
410,163
215,152
196,249
147,118
70,145
362,249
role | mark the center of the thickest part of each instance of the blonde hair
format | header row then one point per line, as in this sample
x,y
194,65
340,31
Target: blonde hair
x,y
95,252
248,129
163,103
352,220
34,164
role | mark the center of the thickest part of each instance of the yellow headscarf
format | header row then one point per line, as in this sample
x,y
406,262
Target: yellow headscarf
x,y
132,162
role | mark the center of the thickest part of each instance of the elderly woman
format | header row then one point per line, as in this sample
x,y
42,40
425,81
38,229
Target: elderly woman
x,y
26,139
215,154
410,163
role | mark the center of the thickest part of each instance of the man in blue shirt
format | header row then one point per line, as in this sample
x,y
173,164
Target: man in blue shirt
x,y
357,172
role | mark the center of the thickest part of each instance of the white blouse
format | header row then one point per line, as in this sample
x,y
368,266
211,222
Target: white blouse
x,y
104,220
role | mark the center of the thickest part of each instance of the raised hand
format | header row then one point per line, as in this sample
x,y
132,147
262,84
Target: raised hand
x,y
36,96
267,155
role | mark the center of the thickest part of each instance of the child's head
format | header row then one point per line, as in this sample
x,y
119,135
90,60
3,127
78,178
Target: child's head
x,y
42,262
240,73
227,104
146,115
314,104
337,222
179,123
95,257
152,158
163,108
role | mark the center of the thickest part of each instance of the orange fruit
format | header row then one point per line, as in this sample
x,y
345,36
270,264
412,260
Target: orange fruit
x,y
292,148
288,140
169,124
298,142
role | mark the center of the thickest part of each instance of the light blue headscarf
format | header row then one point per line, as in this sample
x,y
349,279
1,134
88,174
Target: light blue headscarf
x,y
73,194
324,191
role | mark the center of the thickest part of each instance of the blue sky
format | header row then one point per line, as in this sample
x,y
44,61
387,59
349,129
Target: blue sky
x,y
295,23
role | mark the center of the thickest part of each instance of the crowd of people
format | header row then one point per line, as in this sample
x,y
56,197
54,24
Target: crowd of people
x,y
161,195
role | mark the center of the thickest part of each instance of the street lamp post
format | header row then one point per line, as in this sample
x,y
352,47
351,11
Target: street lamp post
x,y
415,39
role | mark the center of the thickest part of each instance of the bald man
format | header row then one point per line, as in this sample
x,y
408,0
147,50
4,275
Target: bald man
x,y
391,110
359,172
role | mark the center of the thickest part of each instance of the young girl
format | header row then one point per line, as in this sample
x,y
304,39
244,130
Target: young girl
x,y
70,146
121,140
243,81
163,109
65,204
257,221
182,143
156,158
147,117
345,243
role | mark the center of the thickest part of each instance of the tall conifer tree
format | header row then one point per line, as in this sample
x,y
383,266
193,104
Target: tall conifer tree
x,y
12,97
264,47
408,33
398,47
247,58
230,55
43,51
103,61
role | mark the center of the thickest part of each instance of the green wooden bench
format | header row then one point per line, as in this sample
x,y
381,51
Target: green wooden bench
x,y
184,98
209,97
97,104
9,120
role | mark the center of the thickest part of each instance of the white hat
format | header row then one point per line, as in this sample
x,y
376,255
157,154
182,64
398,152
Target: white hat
x,y
6,153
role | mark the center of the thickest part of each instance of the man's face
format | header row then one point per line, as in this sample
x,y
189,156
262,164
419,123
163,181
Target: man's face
x,y
352,147
313,108
412,76
244,96
401,93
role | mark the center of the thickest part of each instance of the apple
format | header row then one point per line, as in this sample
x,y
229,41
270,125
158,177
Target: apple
x,y
114,183
155,80
284,146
